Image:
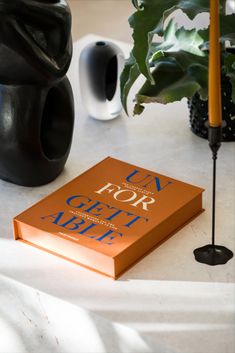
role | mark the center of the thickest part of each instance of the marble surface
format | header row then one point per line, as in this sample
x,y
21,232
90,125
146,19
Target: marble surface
x,y
32,321
165,303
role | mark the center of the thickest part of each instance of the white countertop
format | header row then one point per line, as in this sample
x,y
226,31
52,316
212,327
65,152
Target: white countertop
x,y
165,303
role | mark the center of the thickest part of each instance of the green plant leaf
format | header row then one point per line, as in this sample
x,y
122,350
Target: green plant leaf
x,y
179,64
176,39
177,75
128,77
229,66
138,4
227,30
183,63
150,20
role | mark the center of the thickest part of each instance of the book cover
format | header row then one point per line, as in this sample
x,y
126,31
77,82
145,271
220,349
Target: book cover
x,y
110,216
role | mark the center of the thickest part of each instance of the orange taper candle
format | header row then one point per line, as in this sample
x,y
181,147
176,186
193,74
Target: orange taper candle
x,y
215,106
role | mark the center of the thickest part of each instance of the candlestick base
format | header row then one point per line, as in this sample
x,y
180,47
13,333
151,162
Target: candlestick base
x,y
213,255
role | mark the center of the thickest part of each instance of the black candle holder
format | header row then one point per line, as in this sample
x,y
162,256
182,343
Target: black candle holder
x,y
213,254
36,100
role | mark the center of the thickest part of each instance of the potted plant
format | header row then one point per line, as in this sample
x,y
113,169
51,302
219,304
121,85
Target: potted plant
x,y
176,66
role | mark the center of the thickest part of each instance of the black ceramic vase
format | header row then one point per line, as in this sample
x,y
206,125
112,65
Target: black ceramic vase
x,y
36,101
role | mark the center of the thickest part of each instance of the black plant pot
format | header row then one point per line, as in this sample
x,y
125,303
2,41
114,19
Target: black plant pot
x,y
36,100
199,113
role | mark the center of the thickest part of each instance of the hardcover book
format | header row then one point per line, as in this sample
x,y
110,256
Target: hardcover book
x,y
110,216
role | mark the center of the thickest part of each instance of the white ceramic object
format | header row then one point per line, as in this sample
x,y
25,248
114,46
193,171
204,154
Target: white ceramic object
x,y
100,66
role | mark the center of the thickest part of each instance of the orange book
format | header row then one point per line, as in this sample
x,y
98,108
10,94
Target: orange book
x,y
110,216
